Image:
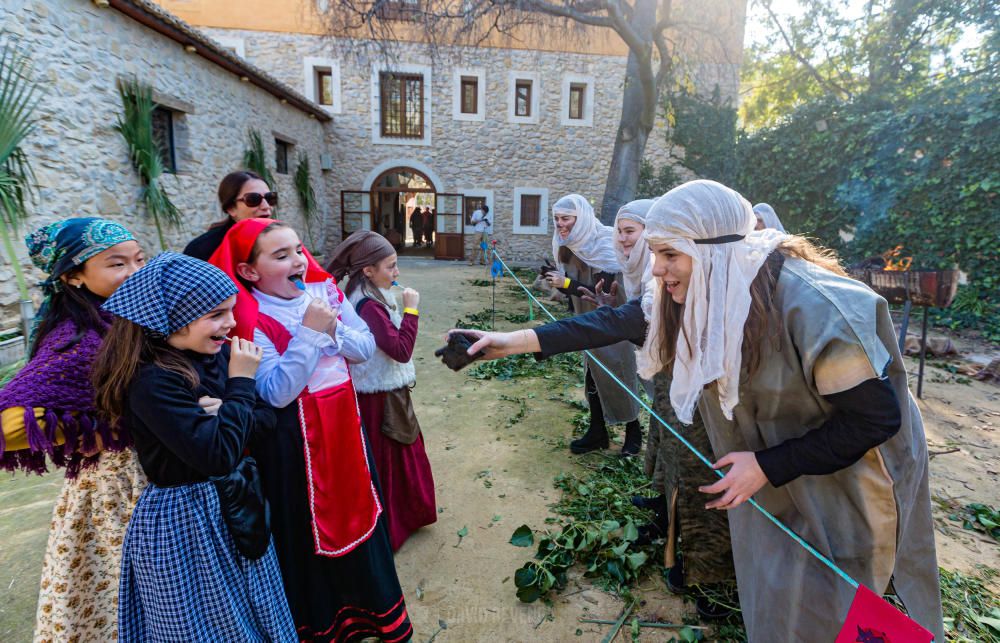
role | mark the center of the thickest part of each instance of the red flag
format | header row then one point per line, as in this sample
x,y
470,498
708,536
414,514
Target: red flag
x,y
872,620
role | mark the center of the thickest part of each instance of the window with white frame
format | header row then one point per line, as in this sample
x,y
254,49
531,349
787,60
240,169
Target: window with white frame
x,y
401,105
469,94
577,104
523,93
531,207
321,78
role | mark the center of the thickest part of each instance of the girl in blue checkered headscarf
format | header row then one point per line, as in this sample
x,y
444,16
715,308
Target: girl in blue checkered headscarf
x,y
197,561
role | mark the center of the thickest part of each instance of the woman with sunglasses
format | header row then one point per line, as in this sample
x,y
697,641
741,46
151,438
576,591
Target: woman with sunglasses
x,y
242,195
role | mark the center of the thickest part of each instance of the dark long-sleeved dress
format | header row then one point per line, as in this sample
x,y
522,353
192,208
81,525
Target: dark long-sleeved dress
x,y
182,575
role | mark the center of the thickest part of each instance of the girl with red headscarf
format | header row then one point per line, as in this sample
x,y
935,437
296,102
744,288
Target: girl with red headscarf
x,y
317,471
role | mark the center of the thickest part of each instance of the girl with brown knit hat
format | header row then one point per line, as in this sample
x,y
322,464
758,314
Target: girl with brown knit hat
x,y
383,383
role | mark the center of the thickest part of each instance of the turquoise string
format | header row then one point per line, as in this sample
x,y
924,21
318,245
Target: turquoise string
x,y
794,536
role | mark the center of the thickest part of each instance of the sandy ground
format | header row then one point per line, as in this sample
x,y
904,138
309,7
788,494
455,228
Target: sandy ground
x,y
491,478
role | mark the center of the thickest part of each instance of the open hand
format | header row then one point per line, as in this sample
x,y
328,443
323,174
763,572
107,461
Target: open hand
x,y
244,358
598,296
744,479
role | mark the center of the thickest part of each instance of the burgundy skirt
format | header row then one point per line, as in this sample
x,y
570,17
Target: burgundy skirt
x,y
404,473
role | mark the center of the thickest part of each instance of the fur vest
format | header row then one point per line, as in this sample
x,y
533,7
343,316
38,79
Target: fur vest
x,y
381,372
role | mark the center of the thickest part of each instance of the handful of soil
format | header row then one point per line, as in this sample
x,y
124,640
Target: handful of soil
x,y
454,354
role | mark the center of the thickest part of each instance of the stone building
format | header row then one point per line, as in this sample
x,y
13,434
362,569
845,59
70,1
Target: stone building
x,y
513,123
208,98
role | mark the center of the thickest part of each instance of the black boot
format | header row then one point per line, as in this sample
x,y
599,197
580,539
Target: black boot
x,y
656,529
633,439
595,438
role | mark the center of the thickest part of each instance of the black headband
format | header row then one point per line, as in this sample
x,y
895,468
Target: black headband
x,y
729,238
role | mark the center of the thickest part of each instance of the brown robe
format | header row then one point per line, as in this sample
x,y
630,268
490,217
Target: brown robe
x,y
873,519
701,536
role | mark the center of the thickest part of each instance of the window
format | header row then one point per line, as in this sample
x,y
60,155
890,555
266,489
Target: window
x,y
321,82
577,92
324,87
402,105
472,203
524,90
398,10
530,207
281,156
470,95
163,135
522,98
577,106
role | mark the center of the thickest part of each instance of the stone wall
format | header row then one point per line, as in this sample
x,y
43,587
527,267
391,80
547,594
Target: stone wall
x,y
491,155
82,166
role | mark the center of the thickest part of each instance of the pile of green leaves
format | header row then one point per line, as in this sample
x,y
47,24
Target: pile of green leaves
x,y
979,517
971,608
481,320
561,367
598,531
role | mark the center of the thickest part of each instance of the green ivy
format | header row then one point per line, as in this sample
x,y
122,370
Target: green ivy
x,y
921,171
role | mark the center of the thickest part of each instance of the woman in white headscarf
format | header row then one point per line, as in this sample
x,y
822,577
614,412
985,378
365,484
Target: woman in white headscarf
x,y
767,218
585,258
797,375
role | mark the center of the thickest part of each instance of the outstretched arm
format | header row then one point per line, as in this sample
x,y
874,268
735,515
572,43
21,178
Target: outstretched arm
x,y
601,327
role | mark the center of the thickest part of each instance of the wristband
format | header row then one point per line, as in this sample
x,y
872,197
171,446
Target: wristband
x,y
566,283
412,311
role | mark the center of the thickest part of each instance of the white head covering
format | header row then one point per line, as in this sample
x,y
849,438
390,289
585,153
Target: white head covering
x,y
637,268
717,302
590,240
769,216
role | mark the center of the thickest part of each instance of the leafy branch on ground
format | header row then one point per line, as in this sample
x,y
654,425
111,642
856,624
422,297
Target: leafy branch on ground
x,y
976,516
971,608
562,367
599,526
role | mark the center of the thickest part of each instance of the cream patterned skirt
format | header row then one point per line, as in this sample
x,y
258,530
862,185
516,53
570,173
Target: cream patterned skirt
x,y
78,601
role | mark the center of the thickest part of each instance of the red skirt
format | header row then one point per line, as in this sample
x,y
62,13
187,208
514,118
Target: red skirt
x,y
404,474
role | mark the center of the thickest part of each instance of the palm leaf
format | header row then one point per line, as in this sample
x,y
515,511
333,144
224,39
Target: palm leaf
x,y
307,196
255,158
135,125
18,99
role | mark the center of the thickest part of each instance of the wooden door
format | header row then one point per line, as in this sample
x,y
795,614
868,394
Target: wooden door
x,y
449,226
355,211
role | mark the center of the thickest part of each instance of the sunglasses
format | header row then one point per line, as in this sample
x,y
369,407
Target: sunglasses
x,y
253,199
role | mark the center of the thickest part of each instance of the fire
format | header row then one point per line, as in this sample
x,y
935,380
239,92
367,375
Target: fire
x,y
893,261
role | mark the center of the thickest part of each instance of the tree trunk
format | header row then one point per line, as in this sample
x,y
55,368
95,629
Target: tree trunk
x,y
630,145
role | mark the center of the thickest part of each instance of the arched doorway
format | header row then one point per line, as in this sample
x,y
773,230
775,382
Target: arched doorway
x,y
398,195
392,195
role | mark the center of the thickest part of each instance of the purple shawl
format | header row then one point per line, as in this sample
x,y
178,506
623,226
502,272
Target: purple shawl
x,y
59,382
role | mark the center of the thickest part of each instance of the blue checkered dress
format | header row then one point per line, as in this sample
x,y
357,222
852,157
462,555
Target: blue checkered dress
x,y
182,578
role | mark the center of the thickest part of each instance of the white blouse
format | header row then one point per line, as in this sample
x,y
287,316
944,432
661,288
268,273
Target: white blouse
x,y
312,359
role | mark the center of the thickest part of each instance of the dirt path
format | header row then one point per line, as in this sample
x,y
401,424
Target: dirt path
x,y
493,472
490,479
